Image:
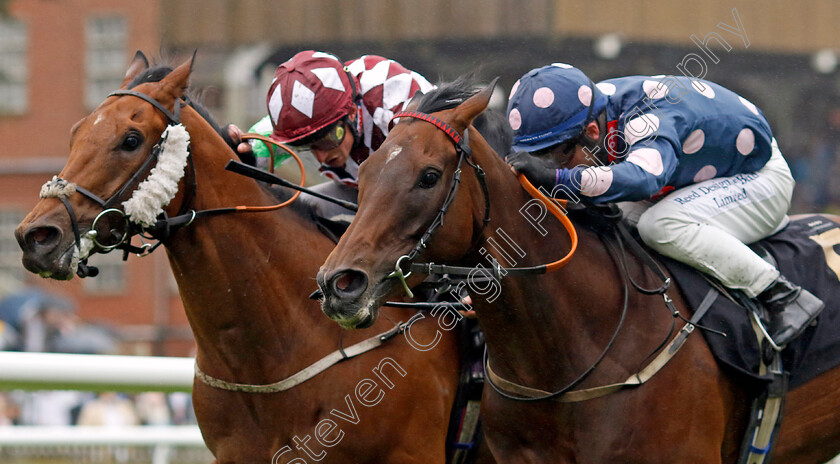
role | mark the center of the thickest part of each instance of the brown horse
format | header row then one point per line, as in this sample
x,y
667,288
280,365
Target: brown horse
x,y
245,280
545,331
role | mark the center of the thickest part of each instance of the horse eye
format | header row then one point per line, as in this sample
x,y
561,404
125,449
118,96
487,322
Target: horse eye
x,y
428,179
131,142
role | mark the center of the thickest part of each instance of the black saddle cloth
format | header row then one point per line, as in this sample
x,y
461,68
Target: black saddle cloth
x,y
808,253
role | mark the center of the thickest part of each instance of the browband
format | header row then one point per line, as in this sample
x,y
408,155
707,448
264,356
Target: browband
x,y
174,118
461,143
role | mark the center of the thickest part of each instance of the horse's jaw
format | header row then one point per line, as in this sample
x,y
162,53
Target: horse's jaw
x,y
362,317
58,265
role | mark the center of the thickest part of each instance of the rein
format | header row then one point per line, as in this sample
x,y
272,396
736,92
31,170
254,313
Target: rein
x,y
463,151
62,193
556,209
163,228
515,391
666,350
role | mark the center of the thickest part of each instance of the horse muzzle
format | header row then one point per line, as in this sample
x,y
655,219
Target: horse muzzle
x,y
347,298
46,250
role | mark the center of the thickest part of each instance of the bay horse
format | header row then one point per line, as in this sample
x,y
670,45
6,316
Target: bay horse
x,y
245,279
545,331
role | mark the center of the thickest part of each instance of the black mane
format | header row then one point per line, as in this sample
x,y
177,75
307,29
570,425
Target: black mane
x,y
449,95
491,123
494,127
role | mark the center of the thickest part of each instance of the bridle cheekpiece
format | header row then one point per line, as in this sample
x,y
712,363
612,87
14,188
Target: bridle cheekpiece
x,y
165,165
462,149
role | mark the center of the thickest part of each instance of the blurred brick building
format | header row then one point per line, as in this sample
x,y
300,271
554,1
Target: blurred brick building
x,y
58,60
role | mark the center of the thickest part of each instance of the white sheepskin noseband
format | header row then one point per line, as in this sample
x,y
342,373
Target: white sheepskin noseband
x,y
154,193
57,188
151,196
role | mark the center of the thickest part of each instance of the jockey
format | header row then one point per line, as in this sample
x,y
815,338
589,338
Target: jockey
x,y
696,160
340,112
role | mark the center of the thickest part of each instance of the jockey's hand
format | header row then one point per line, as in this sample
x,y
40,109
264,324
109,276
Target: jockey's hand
x,y
561,183
537,170
235,134
242,147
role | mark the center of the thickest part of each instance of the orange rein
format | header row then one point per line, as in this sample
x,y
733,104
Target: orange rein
x,y
557,208
271,169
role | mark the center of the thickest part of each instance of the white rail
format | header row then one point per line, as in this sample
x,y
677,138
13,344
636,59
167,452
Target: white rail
x,y
51,371
177,435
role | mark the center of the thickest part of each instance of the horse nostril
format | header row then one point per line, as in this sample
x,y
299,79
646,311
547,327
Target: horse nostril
x,y
349,283
344,281
42,237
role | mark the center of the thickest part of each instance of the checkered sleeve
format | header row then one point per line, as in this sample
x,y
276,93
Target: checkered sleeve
x,y
386,86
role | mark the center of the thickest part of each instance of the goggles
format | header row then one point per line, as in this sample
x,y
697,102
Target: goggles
x,y
325,139
566,147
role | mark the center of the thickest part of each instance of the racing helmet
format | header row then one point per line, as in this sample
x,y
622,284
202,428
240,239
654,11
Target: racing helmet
x,y
551,105
309,92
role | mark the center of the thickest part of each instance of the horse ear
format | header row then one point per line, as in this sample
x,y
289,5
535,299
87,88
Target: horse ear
x,y
466,112
414,102
138,64
176,82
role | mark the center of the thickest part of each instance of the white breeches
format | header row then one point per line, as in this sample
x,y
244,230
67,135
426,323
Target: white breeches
x,y
706,225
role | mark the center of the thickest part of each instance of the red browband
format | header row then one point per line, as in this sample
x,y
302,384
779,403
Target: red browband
x,y
452,133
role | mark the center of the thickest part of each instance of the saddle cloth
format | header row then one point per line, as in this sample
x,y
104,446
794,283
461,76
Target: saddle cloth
x,y
808,254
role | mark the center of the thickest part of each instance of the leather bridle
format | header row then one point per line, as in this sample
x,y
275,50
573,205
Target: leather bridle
x,y
463,151
109,206
464,154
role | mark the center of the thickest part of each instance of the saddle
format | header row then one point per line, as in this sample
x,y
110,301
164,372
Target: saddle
x,y
806,253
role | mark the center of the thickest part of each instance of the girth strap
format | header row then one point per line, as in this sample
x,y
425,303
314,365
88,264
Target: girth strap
x,y
302,376
636,379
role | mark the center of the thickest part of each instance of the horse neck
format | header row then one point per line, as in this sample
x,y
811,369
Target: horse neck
x,y
243,277
536,321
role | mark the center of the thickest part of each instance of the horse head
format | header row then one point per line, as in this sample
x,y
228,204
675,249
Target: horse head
x,y
91,205
405,188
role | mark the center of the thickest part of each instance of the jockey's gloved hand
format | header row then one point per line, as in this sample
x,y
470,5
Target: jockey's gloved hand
x,y
233,137
561,183
536,169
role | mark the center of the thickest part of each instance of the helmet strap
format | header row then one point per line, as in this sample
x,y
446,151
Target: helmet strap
x,y
597,147
355,126
581,138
